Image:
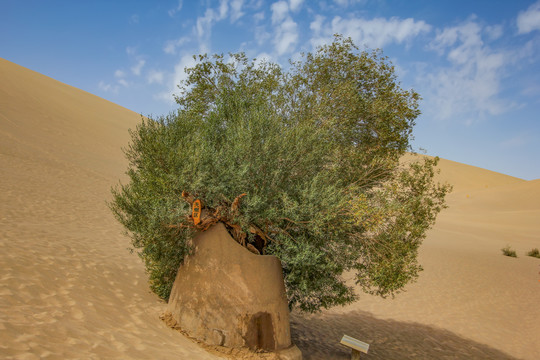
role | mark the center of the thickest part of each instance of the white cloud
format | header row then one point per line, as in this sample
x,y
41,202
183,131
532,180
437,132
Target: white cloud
x,y
236,9
262,36
204,24
264,57
178,8
177,77
256,4
280,11
374,33
120,76
529,20
345,3
286,37
295,5
108,87
316,25
171,45
258,17
260,33
494,32
471,84
202,30
155,76
136,69
223,9
179,70
445,38
468,38
285,29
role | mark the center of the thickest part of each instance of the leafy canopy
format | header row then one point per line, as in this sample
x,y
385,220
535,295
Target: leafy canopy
x,y
303,164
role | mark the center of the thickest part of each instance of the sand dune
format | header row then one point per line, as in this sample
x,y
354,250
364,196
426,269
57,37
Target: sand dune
x,y
470,302
468,178
69,288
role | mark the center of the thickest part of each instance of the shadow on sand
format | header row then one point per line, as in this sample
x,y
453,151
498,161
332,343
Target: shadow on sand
x,y
318,337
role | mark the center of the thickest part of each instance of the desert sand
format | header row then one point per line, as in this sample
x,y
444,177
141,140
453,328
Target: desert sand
x,y
69,288
470,302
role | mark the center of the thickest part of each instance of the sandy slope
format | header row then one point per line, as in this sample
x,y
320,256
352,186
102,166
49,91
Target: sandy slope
x,y
69,288
470,302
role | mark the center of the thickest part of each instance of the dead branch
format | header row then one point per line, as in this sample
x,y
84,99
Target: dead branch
x,y
236,204
226,214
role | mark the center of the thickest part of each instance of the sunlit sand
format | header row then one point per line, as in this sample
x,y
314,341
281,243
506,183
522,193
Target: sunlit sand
x,y
70,288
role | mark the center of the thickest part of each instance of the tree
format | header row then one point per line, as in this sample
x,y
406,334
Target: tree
x,y
303,164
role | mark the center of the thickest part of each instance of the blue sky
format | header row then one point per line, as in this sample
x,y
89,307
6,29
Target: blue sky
x,y
475,63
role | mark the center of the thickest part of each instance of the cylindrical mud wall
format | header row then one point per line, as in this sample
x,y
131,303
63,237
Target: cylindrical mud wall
x,y
225,295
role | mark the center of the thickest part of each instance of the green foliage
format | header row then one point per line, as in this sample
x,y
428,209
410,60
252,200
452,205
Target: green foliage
x,y
534,253
396,216
507,251
316,150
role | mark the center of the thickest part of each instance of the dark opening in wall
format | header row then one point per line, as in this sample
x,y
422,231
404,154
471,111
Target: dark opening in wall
x,y
260,332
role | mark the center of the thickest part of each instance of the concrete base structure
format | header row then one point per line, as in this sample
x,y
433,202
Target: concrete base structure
x,y
227,296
